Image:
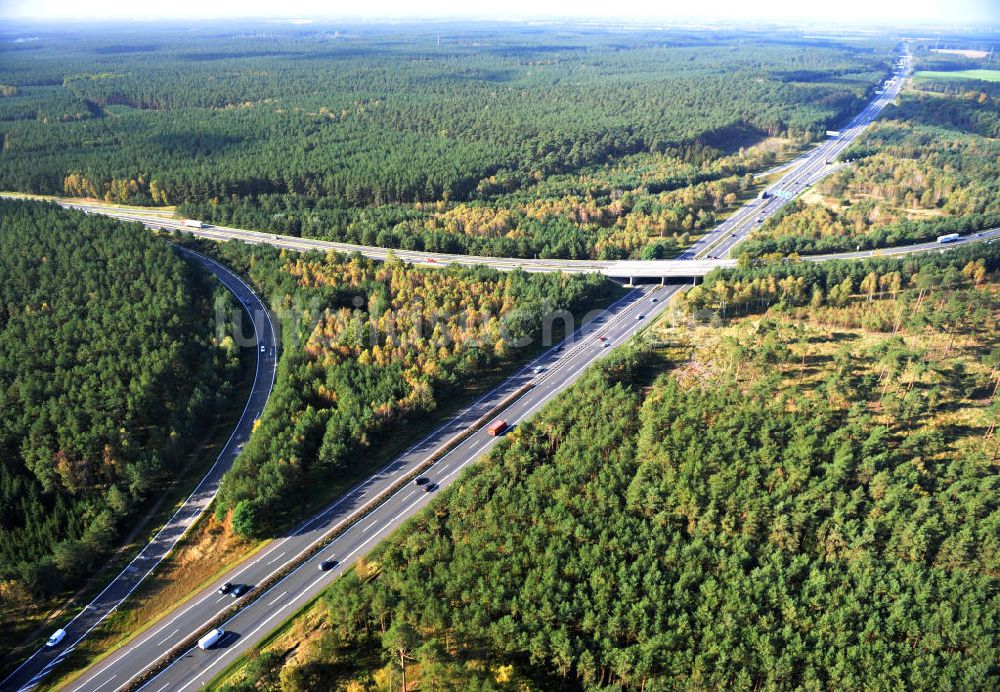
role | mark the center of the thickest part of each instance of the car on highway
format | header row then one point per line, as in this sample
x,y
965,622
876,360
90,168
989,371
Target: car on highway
x,y
640,317
211,639
602,338
497,427
225,588
239,590
263,349
655,300
430,487
421,480
56,637
539,369
325,565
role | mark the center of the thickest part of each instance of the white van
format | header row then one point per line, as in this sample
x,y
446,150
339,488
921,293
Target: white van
x,y
56,637
210,639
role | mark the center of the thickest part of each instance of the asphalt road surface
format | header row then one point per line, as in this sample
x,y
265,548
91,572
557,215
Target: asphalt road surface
x,y
560,367
553,371
800,174
42,661
804,171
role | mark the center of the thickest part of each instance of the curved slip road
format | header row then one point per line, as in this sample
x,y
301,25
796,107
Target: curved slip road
x,y
250,625
40,663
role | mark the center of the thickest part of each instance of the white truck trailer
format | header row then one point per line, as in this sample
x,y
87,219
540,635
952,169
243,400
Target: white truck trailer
x,y
210,639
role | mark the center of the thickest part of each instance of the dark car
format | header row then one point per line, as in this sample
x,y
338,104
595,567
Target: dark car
x,y
327,565
239,590
430,487
422,480
225,588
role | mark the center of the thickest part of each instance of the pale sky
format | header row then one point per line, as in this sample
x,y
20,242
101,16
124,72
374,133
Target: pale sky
x,y
950,12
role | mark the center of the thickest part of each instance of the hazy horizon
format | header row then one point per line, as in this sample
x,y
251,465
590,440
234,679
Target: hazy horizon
x,y
982,13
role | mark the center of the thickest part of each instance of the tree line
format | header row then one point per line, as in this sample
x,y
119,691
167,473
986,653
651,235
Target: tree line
x,y
930,168
648,532
309,134
775,529
369,349
108,373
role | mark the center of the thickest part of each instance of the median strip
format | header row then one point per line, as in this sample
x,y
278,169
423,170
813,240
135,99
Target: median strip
x,y
321,543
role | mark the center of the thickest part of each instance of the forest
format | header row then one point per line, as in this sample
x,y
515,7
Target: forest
x,y
108,369
804,496
929,166
490,140
369,350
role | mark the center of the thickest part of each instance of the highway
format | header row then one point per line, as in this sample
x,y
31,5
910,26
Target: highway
x,y
158,221
560,366
34,668
806,170
708,250
385,507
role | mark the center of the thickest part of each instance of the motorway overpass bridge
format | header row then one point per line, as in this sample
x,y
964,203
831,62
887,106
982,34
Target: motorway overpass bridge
x,y
632,271
661,270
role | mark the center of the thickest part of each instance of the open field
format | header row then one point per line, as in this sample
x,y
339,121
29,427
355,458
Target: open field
x,y
982,75
964,52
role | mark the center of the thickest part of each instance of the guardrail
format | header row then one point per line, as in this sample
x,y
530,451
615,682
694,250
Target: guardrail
x,y
322,542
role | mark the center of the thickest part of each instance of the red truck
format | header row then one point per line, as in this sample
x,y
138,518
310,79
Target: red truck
x,y
497,428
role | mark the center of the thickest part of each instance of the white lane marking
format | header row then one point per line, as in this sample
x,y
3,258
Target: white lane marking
x,y
276,558
280,596
569,377
165,639
574,372
187,505
106,682
306,590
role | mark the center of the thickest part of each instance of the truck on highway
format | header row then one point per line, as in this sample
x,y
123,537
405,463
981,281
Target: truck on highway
x,y
949,238
497,427
210,639
191,223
